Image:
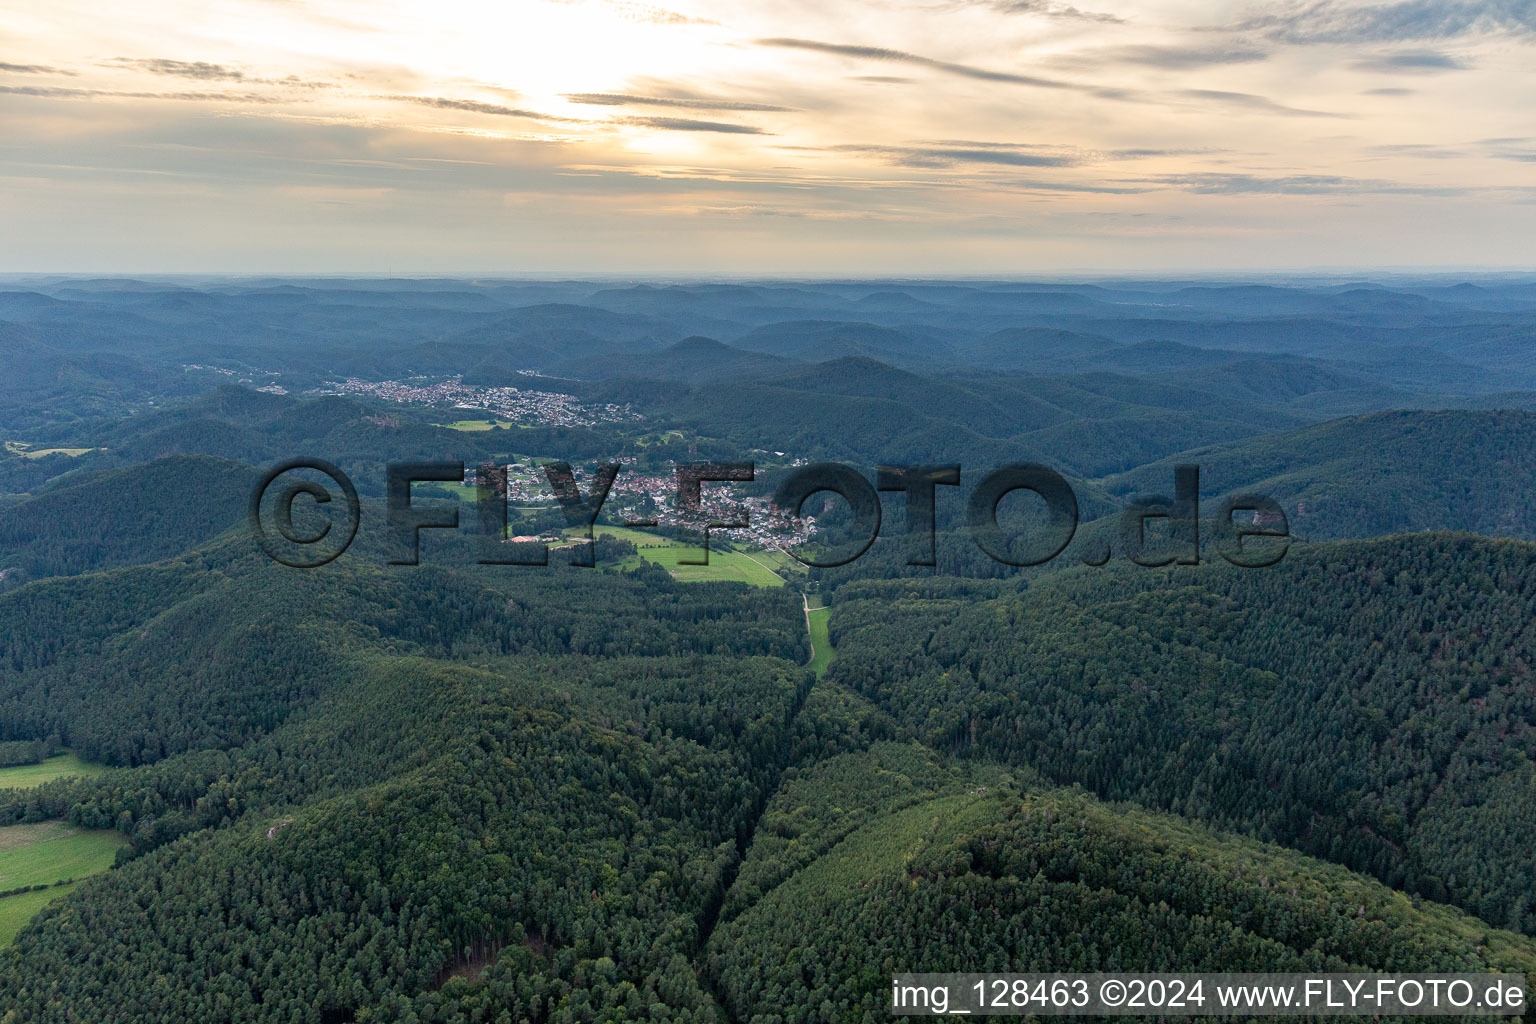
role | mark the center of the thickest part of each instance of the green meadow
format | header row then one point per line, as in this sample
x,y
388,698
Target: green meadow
x,y
25,776
459,489
821,641
16,911
779,561
474,426
42,854
481,426
26,451
724,566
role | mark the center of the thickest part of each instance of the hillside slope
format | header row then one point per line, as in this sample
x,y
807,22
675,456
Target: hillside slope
x,y
936,877
1384,473
1367,702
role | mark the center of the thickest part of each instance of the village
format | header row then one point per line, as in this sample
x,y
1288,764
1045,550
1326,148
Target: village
x,y
548,408
649,500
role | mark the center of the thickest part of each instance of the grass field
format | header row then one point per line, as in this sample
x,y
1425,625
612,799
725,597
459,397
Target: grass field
x,y
44,853
729,566
16,911
52,851
461,490
647,440
475,425
25,776
25,450
821,642
779,562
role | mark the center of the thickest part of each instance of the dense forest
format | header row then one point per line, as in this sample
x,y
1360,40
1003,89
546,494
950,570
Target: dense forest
x,y
579,796
1368,702
463,793
1367,476
949,875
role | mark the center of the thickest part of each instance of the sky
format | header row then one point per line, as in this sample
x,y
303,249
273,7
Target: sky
x,y
793,137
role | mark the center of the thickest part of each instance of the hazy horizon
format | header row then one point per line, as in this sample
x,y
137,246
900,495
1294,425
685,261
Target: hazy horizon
x,y
1300,277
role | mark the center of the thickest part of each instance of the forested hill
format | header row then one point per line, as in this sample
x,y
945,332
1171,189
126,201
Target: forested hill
x,y
1383,473
217,647
959,875
857,408
1367,702
127,516
354,781
369,795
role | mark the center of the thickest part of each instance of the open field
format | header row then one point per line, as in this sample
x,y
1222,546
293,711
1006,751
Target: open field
x,y
663,438
26,451
461,490
42,854
480,426
475,426
821,642
25,776
16,911
53,851
727,566
778,561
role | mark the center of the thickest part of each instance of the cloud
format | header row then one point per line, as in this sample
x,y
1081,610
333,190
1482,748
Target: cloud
x,y
181,68
205,72
1296,184
950,152
996,156
1326,21
53,92
1001,154
973,144
1413,62
1421,150
1031,185
615,99
1142,154
477,107
1049,10
293,81
902,57
33,69
682,124
1390,91
631,11
1176,58
1252,102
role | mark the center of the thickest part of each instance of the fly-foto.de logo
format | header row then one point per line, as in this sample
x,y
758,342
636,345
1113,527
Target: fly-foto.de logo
x,y
1234,519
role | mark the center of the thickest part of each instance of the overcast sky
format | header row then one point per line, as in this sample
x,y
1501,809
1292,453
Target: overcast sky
x,y
792,137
